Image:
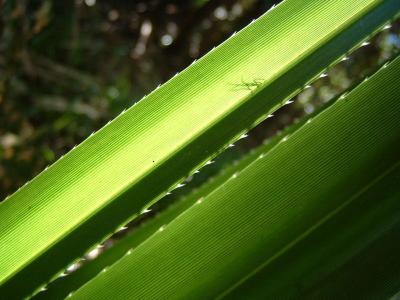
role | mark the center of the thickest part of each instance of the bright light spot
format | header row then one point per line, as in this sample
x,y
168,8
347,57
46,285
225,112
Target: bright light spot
x,y
220,13
288,102
94,253
122,228
166,39
9,140
72,268
146,28
90,2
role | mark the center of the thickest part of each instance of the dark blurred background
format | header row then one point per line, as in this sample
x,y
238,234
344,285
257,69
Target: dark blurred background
x,y
68,67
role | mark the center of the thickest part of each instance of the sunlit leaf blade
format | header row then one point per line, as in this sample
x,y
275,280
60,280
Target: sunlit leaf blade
x,y
146,151
273,205
64,285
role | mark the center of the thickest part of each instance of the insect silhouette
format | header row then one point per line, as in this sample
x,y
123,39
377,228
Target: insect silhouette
x,y
248,85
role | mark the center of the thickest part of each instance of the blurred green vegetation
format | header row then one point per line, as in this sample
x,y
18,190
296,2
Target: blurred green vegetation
x,y
68,67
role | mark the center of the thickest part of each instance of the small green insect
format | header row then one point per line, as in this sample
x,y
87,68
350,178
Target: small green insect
x,y
249,85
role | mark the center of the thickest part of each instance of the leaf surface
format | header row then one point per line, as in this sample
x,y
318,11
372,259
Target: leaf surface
x,y
314,177
61,287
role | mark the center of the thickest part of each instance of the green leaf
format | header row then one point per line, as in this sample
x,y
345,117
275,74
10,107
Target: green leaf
x,y
304,188
352,250
133,161
61,287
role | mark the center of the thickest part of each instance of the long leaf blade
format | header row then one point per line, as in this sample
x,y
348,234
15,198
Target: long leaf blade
x,y
61,287
271,206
